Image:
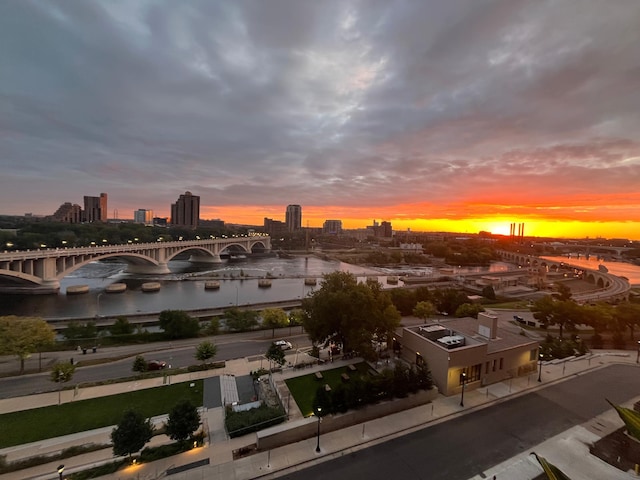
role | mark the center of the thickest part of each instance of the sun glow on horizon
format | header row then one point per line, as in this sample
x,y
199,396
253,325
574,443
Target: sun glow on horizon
x,y
536,226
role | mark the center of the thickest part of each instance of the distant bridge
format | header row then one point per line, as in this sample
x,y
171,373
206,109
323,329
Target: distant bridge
x,y
42,270
607,287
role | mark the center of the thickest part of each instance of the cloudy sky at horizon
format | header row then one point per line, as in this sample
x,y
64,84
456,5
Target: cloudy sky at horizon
x,y
462,112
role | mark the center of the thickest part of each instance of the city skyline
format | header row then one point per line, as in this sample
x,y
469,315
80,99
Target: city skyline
x,y
459,116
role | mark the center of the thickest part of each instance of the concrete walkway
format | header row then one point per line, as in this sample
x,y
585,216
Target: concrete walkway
x,y
567,450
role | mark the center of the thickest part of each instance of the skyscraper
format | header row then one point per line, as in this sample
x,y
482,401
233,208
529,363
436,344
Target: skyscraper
x,y
186,211
293,218
95,208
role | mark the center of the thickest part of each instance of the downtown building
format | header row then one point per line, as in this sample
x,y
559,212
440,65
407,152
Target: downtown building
x,y
293,218
332,227
186,211
143,216
95,209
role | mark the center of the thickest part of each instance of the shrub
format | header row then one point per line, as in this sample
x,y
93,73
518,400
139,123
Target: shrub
x,y
241,423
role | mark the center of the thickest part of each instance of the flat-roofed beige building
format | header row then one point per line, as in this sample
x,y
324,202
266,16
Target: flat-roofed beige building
x,y
478,348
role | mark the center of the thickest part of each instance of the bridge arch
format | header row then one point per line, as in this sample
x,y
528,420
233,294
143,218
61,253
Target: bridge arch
x,y
46,267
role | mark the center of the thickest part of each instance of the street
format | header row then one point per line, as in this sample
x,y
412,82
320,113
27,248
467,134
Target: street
x,y
468,445
180,354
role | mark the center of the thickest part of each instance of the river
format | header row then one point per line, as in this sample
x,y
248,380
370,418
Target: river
x,y
183,289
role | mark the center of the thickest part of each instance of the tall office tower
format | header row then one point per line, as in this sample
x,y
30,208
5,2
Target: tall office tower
x,y
143,216
186,211
293,217
95,208
332,227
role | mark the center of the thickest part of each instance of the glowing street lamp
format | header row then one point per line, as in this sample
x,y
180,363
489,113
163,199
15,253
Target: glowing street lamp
x,y
319,410
540,370
463,377
60,470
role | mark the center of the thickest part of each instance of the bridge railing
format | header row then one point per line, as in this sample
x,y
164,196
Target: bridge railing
x,y
120,248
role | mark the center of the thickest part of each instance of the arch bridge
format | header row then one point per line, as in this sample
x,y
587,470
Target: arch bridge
x,y
607,287
42,270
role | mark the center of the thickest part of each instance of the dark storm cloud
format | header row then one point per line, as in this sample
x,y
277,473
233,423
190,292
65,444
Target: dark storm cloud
x,y
319,103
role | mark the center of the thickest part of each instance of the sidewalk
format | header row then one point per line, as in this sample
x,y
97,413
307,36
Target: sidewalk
x,y
562,450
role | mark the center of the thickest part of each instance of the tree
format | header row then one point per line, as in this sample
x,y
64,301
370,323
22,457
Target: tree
x,y
296,317
566,314
627,315
350,313
23,336
274,318
62,373
139,364
179,324
489,292
183,421
131,433
213,328
238,320
404,299
121,326
543,309
275,354
469,310
80,331
206,351
424,310
448,300
563,291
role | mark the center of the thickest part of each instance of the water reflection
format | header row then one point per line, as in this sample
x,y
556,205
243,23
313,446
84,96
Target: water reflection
x,y
621,269
183,289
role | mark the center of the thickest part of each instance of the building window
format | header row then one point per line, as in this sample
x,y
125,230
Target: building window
x,y
473,373
494,365
501,363
486,368
533,355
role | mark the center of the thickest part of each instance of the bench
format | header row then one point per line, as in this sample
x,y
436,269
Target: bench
x,y
345,377
352,367
318,375
327,388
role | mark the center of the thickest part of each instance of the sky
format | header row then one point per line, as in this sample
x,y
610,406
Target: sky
x,y
457,115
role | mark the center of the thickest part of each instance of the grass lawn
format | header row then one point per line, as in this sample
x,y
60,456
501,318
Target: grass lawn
x,y
303,388
48,422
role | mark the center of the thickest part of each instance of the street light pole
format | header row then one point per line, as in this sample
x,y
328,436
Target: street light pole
x,y
540,370
463,377
319,418
60,470
638,355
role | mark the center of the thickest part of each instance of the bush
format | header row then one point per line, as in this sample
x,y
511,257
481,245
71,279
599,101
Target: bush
x,y
96,472
241,423
6,467
206,366
151,454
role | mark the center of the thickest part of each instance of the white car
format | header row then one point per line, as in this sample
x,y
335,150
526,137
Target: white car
x,y
283,344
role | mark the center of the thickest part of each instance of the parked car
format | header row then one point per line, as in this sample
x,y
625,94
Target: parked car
x,y
156,365
283,344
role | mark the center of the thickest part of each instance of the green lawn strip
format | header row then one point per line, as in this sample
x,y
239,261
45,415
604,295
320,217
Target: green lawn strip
x,y
303,388
37,424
